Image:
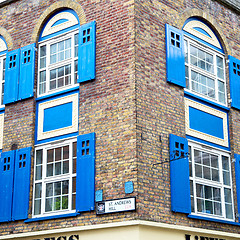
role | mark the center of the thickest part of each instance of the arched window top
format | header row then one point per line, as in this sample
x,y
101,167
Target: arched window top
x,y
3,45
60,22
201,30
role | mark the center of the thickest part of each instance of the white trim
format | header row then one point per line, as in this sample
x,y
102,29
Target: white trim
x,y
201,135
55,178
1,129
56,102
212,75
3,46
48,67
49,29
178,227
2,58
215,184
189,27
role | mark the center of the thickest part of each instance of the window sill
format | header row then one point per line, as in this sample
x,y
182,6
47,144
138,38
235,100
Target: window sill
x,y
213,220
51,217
57,93
202,99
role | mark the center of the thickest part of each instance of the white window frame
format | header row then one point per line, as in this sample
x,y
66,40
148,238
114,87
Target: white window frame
x,y
55,178
49,66
211,183
2,81
213,75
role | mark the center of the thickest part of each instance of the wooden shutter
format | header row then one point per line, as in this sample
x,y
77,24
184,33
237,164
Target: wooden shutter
x,y
6,185
87,52
85,183
27,71
11,77
179,174
21,184
234,77
175,56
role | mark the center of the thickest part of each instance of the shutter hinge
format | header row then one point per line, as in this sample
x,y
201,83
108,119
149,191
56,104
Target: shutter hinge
x,y
35,49
233,160
230,100
237,215
227,61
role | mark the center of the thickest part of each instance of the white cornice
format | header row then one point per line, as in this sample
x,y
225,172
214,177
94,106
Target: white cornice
x,y
138,223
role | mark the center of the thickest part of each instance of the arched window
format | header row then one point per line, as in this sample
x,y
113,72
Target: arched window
x,y
58,53
204,62
196,61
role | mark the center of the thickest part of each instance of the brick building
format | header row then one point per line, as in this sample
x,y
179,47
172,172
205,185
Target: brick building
x,y
119,119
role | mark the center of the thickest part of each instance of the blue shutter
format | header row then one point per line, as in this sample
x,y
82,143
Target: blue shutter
x,y
11,77
85,183
21,184
237,176
179,174
6,185
27,70
234,77
87,52
175,56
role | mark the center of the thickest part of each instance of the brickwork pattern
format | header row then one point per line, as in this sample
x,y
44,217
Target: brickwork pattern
x,y
106,105
130,106
160,104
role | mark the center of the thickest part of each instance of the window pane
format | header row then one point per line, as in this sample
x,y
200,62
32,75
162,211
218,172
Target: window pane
x,y
39,157
57,203
65,202
38,190
49,204
49,190
37,207
49,170
58,154
43,51
38,174
57,188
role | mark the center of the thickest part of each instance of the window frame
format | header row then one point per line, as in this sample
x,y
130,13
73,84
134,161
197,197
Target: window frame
x,y
62,63
55,178
202,181
208,49
2,81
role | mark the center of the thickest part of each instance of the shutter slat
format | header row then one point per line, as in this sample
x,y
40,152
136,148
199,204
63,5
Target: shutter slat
x,y
179,174
6,186
87,52
27,71
11,77
85,187
234,78
175,61
21,184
